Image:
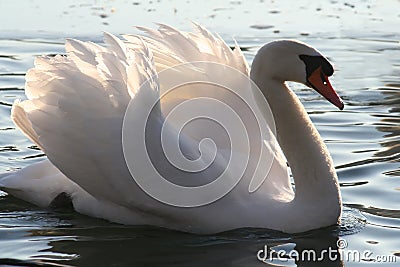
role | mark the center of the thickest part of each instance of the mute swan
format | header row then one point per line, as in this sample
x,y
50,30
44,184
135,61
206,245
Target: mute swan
x,y
75,110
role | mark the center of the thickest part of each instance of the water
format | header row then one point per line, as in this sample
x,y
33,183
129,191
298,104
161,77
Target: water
x,y
361,39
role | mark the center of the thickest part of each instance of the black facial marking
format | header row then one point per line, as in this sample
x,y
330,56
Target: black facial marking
x,y
313,62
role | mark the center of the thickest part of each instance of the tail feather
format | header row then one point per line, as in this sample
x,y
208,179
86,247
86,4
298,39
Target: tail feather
x,y
39,183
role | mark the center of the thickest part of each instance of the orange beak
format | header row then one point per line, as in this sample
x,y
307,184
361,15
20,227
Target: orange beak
x,y
320,82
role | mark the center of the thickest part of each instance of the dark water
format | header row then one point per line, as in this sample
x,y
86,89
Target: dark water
x,y
360,38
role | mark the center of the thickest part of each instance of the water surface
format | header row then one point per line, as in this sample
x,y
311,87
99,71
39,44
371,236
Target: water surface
x,y
360,38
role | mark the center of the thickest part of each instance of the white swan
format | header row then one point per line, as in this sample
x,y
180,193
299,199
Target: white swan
x,y
75,112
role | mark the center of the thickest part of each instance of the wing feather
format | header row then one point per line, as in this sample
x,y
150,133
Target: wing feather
x,y
172,47
75,112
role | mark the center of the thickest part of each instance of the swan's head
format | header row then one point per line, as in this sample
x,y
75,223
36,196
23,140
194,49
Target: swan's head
x,y
289,60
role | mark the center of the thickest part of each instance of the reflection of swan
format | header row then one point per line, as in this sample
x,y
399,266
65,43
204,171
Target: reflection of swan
x,y
75,111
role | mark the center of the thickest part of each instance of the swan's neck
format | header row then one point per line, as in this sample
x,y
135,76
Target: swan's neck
x,y
311,164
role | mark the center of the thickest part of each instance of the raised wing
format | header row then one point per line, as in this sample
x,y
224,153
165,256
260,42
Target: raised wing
x,y
75,111
77,105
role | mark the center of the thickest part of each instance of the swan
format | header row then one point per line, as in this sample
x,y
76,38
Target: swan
x,y
75,112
